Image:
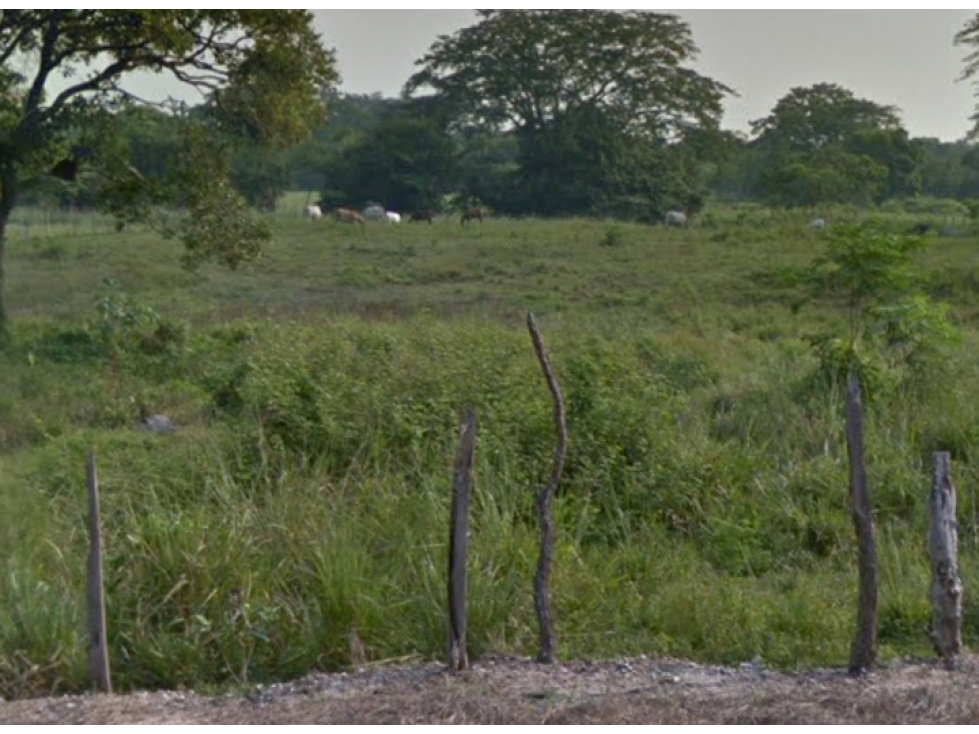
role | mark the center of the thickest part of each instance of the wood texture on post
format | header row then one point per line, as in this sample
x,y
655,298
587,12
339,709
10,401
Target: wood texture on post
x,y
98,650
943,550
864,655
459,541
545,505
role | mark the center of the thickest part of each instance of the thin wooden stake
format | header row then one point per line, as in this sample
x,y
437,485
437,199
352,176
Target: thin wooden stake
x,y
98,651
864,655
545,506
459,541
943,548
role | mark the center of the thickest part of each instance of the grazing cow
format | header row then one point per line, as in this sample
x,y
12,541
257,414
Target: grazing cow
x,y
675,218
818,224
422,215
349,216
314,212
471,214
394,218
374,213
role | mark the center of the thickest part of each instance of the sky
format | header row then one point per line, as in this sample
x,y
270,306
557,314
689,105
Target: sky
x,y
892,57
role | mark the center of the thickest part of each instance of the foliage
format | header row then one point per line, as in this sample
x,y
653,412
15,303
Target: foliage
x,y
874,273
593,98
824,145
264,71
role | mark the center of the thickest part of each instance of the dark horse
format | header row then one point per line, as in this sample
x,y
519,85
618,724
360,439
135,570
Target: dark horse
x,y
423,215
471,214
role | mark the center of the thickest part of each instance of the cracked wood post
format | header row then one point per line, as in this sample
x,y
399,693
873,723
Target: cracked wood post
x,y
459,541
863,652
545,502
98,651
943,548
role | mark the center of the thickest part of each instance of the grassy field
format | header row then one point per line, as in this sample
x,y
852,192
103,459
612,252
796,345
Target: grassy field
x,y
305,495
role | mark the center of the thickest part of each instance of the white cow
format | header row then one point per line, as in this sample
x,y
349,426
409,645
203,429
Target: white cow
x,y
675,218
314,212
817,225
375,213
394,218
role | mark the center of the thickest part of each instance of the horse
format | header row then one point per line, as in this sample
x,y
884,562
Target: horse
x,y
675,218
393,218
471,215
422,215
817,225
314,212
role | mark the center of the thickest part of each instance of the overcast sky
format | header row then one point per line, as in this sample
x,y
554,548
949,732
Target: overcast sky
x,y
897,57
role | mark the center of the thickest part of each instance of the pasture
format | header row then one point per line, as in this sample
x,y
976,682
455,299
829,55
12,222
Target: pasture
x,y
303,499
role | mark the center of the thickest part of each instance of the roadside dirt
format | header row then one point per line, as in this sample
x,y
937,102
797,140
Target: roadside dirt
x,y
504,690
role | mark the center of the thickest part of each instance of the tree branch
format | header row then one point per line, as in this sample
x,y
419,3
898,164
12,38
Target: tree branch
x,y
46,63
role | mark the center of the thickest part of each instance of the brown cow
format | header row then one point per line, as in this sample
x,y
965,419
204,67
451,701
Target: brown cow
x,y
475,213
349,216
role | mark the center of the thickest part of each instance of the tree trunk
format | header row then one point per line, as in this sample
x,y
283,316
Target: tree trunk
x,y
4,218
8,199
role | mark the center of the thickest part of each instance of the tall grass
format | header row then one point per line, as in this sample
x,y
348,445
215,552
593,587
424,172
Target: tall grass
x,y
305,495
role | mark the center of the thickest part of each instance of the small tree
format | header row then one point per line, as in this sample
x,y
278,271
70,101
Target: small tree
x,y
874,276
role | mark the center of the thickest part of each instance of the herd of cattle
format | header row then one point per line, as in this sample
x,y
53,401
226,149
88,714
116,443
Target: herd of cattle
x,y
375,213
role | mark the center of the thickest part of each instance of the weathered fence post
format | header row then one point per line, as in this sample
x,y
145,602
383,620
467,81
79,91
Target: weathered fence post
x,y
459,541
863,653
943,549
545,502
98,651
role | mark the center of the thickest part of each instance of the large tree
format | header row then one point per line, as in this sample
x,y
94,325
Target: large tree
x,y
64,72
823,144
554,77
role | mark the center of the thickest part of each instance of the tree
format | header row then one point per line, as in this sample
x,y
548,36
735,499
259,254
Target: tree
x,y
554,78
821,116
263,70
889,320
405,162
822,144
969,36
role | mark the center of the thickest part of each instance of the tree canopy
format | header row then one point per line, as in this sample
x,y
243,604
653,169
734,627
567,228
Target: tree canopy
x,y
578,88
63,72
823,144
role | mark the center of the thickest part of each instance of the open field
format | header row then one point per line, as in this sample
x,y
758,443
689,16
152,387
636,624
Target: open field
x,y
303,499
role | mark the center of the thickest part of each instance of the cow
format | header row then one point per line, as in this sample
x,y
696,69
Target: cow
x,y
349,216
313,212
375,213
817,225
675,218
422,215
474,213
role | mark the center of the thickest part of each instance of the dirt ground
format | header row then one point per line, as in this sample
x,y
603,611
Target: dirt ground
x,y
504,690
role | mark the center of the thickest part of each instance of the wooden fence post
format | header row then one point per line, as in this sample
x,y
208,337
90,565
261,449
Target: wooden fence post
x,y
545,502
943,549
863,653
459,541
98,651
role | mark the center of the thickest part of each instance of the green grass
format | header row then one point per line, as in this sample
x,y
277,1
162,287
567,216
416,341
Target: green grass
x,y
703,512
